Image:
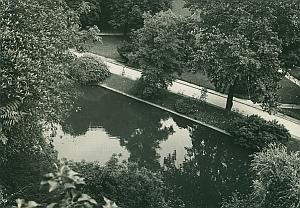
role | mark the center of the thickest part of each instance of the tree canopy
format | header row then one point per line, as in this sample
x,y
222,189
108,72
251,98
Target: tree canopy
x,y
246,44
158,48
128,14
36,84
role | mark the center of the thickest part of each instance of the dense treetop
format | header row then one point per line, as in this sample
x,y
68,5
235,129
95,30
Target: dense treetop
x,y
35,80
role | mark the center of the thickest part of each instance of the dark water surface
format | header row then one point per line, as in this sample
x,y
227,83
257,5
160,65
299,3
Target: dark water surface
x,y
209,166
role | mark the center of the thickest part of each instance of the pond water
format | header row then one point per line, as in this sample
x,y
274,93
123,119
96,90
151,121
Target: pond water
x,y
209,166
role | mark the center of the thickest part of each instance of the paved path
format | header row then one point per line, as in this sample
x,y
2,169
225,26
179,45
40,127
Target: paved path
x,y
245,107
290,106
111,34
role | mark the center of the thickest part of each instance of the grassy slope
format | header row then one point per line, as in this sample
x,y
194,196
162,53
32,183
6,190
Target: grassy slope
x,y
289,93
107,48
209,114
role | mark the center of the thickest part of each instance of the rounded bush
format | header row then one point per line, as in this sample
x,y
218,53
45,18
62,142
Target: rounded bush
x,y
89,71
256,133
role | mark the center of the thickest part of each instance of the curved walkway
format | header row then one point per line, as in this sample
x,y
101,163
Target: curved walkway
x,y
245,107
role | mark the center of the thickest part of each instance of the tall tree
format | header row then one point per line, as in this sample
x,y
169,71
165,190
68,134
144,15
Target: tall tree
x,y
158,48
36,85
241,44
128,14
90,11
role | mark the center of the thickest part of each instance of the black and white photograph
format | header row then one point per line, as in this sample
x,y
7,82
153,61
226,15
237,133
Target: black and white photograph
x,y
149,103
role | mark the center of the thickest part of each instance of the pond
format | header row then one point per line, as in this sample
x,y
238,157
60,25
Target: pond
x,y
209,166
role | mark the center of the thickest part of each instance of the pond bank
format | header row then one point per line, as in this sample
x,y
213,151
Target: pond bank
x,y
168,110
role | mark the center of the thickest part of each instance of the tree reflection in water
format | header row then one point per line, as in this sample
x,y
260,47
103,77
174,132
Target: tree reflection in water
x,y
137,126
213,169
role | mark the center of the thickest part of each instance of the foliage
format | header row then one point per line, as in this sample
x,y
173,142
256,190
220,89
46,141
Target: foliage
x,y
256,133
89,11
125,50
276,180
128,14
125,183
123,15
64,188
188,105
237,201
158,50
34,68
89,71
239,44
276,174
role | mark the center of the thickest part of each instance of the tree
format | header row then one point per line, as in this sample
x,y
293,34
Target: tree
x,y
37,88
241,43
158,48
128,14
90,11
36,85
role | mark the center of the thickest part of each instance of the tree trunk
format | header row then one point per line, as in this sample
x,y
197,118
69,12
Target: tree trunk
x,y
229,102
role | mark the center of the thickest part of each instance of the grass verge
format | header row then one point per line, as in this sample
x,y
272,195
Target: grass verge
x,y
295,113
289,92
296,72
208,113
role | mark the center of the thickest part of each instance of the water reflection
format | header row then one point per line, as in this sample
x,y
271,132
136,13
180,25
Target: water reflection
x,y
117,124
203,165
213,169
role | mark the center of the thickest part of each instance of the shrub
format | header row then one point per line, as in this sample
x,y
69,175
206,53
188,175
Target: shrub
x,y
256,133
124,183
237,201
277,177
89,71
65,190
149,88
125,49
276,180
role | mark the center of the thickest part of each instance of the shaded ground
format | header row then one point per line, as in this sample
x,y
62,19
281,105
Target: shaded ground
x,y
108,47
289,93
296,72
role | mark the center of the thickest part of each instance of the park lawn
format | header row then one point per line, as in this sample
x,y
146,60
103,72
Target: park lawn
x,y
295,72
209,114
197,78
120,83
295,113
177,8
108,47
289,92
